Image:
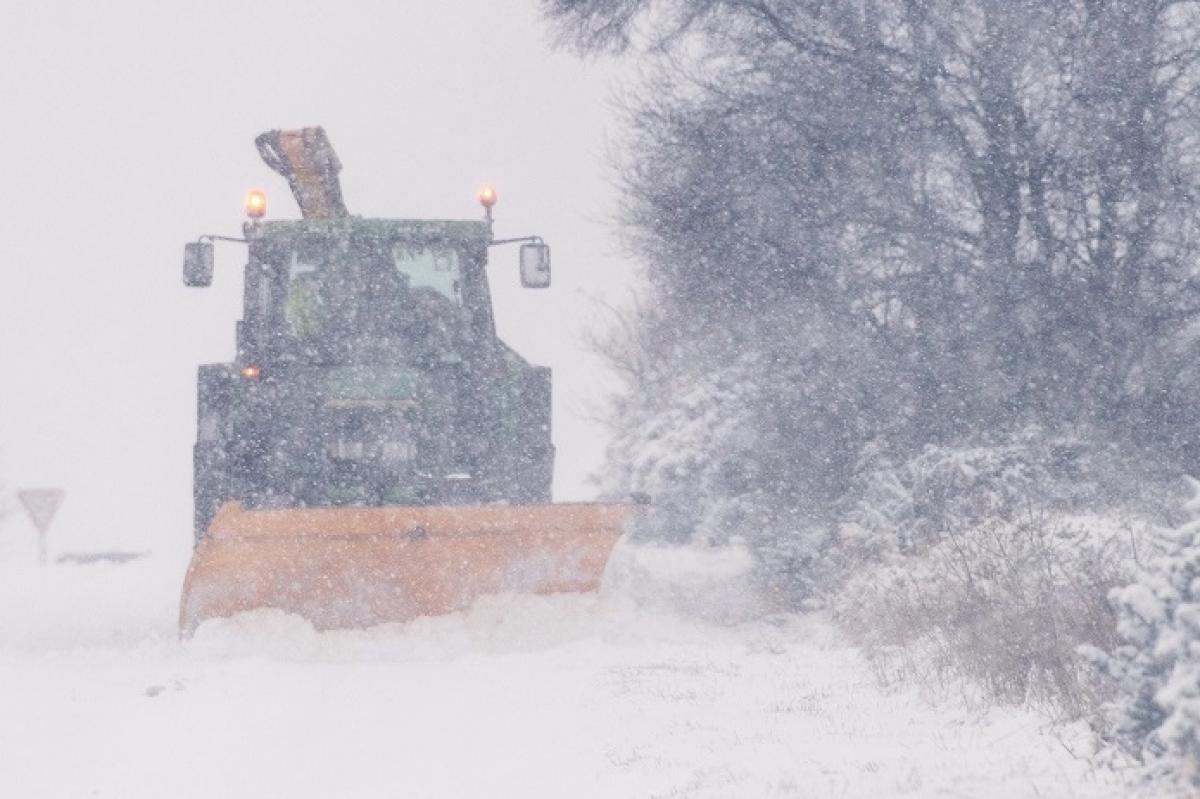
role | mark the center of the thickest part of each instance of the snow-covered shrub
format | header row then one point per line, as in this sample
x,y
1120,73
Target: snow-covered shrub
x,y
1155,666
749,431
968,563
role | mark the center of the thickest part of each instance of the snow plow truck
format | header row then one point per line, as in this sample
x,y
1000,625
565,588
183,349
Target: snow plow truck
x,y
375,452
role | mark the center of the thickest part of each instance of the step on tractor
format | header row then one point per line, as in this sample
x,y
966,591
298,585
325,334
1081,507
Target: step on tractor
x,y
375,452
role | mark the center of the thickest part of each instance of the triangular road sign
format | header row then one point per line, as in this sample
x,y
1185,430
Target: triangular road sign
x,y
41,504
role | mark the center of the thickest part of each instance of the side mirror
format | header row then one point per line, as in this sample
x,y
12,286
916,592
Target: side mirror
x,y
535,266
198,264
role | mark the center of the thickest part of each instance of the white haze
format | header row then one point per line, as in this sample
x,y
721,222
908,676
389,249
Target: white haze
x,y
128,130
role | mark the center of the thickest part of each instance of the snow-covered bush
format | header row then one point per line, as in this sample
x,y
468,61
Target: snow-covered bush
x,y
755,440
1155,666
968,563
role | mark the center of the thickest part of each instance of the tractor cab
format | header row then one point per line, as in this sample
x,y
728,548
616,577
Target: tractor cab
x,y
365,291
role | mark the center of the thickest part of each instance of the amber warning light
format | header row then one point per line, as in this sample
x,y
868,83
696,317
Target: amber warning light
x,y
487,196
251,372
256,205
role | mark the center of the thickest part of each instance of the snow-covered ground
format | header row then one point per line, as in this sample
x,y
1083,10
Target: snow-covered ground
x,y
580,696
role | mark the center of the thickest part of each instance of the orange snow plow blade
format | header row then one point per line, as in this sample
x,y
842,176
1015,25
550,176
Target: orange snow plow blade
x,y
355,567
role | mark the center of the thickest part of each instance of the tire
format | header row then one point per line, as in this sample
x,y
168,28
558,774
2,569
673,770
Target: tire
x,y
212,485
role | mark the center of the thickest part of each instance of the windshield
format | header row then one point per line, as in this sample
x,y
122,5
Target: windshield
x,y
355,299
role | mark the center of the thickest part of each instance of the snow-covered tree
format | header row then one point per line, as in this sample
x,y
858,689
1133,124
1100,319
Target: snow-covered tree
x,y
1155,716
991,203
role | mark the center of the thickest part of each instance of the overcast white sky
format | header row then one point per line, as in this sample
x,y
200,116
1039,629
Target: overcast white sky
x,y
128,130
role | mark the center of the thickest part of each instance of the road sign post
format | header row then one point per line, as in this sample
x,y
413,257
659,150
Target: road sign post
x,y
40,505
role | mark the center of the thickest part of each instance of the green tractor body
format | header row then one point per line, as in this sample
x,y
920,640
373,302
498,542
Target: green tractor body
x,y
368,372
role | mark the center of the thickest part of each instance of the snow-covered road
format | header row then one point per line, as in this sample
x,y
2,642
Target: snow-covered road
x,y
521,696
